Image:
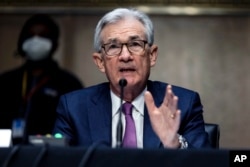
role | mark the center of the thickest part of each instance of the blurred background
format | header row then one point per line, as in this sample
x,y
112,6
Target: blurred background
x,y
204,45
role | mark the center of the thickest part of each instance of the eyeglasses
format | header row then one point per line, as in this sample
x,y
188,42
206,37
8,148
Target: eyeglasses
x,y
115,49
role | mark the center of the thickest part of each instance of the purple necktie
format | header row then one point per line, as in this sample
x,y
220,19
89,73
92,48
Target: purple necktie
x,y
129,139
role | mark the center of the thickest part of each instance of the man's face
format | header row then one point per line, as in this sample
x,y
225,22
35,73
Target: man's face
x,y
133,66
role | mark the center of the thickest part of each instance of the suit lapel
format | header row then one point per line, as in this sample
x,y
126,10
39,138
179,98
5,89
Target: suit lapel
x,y
100,115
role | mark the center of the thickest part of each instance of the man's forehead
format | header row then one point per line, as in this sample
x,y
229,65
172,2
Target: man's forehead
x,y
123,31
129,38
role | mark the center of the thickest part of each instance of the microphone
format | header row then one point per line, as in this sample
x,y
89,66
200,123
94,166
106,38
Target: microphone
x,y
122,83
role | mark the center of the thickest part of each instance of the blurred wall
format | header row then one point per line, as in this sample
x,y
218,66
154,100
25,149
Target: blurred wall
x,y
207,53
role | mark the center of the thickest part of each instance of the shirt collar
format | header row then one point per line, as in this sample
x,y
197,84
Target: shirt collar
x,y
138,103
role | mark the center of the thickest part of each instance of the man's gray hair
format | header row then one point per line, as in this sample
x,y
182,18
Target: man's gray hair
x,y
119,14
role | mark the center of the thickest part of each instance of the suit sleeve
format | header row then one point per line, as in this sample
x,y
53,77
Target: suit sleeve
x,y
63,123
192,123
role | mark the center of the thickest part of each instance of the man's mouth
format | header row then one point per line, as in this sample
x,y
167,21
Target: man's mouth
x,y
127,70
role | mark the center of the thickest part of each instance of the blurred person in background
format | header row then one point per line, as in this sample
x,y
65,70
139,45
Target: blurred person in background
x,y
31,91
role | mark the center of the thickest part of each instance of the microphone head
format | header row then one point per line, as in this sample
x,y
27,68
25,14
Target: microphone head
x,y
123,82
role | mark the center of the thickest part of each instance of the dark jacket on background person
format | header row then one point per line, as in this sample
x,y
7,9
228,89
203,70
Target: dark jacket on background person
x,y
34,98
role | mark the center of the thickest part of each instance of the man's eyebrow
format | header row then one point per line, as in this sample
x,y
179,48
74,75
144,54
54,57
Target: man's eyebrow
x,y
134,37
112,40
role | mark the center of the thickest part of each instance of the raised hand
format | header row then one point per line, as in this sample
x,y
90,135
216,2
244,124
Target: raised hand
x,y
165,120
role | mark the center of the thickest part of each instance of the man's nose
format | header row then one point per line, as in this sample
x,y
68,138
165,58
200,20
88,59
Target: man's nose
x,y
125,53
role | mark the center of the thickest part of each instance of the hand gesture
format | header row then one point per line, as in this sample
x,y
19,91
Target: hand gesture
x,y
165,120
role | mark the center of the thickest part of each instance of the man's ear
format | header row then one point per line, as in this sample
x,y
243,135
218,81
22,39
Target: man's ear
x,y
98,59
153,55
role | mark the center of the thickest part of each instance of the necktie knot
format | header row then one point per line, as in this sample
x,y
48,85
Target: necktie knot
x,y
127,108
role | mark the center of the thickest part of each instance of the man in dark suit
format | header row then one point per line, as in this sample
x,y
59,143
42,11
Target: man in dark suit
x,y
162,115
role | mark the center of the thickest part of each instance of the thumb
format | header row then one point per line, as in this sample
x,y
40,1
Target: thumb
x,y
149,101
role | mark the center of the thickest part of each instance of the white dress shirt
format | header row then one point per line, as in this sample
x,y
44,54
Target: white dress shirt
x,y
137,113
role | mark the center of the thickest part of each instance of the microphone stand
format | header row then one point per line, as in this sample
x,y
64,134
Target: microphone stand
x,y
122,83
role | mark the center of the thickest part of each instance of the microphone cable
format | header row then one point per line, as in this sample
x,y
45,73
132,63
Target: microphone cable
x,y
88,154
10,156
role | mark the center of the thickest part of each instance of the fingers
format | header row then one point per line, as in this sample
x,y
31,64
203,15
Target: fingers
x,y
170,99
169,106
168,95
176,115
171,102
165,119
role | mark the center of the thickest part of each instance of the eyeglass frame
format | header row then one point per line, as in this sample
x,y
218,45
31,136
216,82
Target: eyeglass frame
x,y
126,44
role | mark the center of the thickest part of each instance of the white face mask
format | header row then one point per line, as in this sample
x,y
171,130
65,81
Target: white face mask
x,y
37,48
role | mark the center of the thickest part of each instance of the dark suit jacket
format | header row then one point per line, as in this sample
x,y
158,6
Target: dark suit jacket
x,y
84,116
